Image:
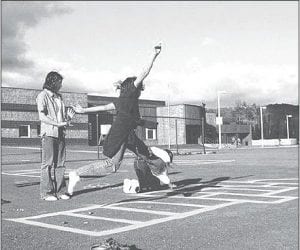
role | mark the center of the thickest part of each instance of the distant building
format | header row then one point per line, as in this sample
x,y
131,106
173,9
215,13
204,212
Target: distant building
x,y
275,121
236,131
184,125
148,111
211,119
20,123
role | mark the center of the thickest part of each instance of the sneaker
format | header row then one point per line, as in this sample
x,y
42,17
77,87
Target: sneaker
x,y
172,186
64,197
108,163
50,198
126,185
73,179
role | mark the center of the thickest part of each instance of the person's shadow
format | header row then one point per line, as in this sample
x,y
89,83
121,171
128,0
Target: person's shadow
x,y
94,189
101,187
184,187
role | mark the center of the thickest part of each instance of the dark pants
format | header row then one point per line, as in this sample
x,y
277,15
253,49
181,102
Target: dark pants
x,y
53,159
146,179
132,142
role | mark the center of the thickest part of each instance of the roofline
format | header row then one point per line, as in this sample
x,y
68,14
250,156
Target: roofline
x,y
4,87
184,104
141,100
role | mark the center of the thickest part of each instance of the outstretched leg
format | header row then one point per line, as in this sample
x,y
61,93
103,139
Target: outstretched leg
x,y
93,168
96,167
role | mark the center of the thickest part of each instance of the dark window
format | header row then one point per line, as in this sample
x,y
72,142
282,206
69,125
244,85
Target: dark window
x,y
150,134
38,130
24,131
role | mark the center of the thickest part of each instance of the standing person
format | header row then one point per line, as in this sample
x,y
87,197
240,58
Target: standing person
x,y
121,134
54,119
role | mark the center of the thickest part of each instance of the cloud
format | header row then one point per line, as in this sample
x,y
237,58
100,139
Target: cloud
x,y
208,41
17,17
194,83
260,84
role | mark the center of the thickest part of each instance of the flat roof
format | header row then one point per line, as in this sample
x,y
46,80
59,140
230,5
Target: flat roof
x,y
4,87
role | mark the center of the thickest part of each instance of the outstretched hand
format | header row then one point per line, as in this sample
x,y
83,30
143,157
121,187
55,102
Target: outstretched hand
x,y
78,109
70,113
157,49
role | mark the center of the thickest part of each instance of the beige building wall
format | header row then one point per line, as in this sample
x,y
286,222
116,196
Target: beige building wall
x,y
166,126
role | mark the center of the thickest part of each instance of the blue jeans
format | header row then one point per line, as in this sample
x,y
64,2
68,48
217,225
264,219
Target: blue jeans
x,y
53,160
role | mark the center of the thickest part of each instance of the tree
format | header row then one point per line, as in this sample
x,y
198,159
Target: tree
x,y
244,113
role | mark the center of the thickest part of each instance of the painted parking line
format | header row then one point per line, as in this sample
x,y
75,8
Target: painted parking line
x,y
195,162
35,173
269,195
30,172
131,226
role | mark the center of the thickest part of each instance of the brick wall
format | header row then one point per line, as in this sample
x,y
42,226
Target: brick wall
x,y
19,108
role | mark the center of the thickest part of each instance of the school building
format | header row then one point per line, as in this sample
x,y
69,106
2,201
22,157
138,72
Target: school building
x,y
20,124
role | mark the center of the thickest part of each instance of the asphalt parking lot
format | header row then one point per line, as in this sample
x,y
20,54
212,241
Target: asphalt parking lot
x,y
234,199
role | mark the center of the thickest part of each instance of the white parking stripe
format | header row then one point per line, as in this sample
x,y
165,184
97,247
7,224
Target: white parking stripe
x,y
22,175
25,170
170,203
270,196
139,210
50,226
201,162
126,228
101,218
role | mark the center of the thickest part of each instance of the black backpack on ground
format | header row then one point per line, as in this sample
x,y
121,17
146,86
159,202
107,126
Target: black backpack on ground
x,y
147,181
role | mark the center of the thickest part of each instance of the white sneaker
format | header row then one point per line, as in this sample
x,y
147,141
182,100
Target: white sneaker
x,y
64,197
50,198
134,186
73,179
126,186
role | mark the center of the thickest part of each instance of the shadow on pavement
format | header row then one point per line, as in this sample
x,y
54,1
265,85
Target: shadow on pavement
x,y
184,189
26,183
172,173
4,201
93,189
38,161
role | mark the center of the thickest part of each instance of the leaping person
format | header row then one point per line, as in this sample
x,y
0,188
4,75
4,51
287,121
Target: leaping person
x,y
121,134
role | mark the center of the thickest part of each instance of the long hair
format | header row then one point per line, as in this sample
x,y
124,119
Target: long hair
x,y
170,154
51,81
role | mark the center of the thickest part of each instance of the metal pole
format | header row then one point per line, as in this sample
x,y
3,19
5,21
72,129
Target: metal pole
x,y
219,117
169,116
203,135
41,150
262,127
97,122
176,136
287,127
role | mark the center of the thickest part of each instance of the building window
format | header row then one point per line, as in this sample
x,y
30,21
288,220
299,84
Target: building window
x,y
38,130
150,134
24,131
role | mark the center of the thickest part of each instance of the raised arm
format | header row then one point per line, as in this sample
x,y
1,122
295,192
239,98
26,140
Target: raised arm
x,y
148,67
81,110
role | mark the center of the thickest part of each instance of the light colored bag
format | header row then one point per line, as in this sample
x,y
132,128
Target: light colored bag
x,y
131,186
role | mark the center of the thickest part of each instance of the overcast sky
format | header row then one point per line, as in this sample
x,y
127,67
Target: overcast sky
x,y
249,49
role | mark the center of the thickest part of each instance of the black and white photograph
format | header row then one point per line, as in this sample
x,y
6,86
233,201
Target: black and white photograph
x,y
149,125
